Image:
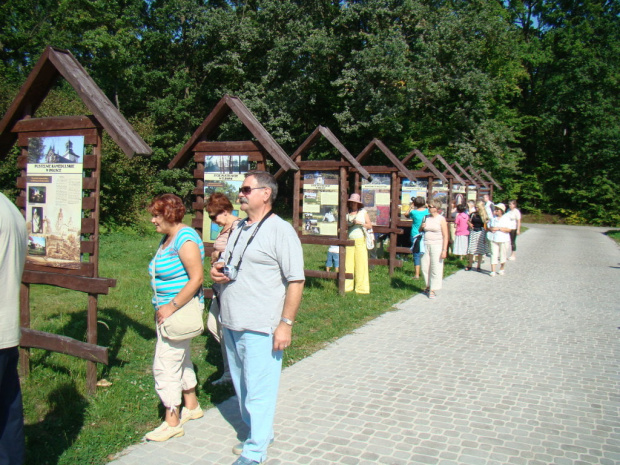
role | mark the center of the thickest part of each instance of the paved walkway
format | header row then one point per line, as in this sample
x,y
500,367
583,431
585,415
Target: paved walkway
x,y
516,369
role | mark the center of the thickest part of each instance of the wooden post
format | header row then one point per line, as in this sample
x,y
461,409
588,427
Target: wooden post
x,y
342,226
24,305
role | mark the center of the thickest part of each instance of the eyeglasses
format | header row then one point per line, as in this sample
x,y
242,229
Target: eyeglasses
x,y
246,190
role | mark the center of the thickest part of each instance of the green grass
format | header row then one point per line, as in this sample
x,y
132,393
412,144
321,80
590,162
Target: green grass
x,y
614,234
66,426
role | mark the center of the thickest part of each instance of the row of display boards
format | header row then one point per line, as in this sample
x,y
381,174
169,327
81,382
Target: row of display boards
x,y
60,165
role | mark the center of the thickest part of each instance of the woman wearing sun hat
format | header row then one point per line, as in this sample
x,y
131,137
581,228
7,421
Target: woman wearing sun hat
x,y
357,255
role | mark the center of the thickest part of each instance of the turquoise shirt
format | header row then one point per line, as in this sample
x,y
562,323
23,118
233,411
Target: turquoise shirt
x,y
417,216
170,274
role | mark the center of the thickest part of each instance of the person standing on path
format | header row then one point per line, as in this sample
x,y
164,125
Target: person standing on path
x,y
515,216
13,243
436,238
500,227
417,211
262,278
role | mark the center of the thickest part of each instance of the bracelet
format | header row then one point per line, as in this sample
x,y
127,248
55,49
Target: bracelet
x,y
287,321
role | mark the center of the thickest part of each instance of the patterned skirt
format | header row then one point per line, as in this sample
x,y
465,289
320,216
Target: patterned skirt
x,y
477,243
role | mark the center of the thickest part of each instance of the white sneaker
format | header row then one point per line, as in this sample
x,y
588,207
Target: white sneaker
x,y
512,258
492,274
164,432
501,272
194,414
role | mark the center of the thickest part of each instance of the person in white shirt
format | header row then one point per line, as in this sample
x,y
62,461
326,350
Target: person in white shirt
x,y
13,245
515,216
500,239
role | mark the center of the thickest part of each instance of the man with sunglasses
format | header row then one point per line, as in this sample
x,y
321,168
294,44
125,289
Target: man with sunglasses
x,y
262,278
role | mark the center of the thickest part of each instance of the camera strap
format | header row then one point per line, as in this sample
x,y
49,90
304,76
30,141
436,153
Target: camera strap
x,y
240,227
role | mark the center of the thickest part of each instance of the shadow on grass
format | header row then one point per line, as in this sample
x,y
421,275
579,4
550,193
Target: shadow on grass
x,y
47,440
112,327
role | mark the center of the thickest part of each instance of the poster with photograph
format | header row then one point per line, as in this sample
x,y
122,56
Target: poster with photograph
x,y
225,174
320,203
440,192
54,200
410,190
458,194
472,193
376,198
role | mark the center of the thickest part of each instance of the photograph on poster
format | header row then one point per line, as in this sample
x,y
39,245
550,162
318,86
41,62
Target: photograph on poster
x,y
224,174
320,203
36,245
376,198
54,179
410,190
36,194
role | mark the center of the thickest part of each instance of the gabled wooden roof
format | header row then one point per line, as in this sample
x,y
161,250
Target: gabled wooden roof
x,y
465,173
52,64
477,176
427,163
491,178
453,173
213,121
325,132
377,144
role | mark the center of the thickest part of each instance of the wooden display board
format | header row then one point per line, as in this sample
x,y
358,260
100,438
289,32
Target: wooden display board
x,y
221,165
472,185
56,174
385,195
424,177
336,174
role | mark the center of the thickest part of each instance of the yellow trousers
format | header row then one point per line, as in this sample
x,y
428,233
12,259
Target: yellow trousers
x,y
357,263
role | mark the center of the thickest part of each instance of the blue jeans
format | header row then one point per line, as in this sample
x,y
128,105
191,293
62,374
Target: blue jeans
x,y
11,412
255,370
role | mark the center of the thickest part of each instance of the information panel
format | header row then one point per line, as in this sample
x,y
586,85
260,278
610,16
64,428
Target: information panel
x,y
320,203
376,198
225,174
410,190
54,202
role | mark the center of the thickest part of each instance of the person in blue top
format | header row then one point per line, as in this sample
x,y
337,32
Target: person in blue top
x,y
177,277
417,212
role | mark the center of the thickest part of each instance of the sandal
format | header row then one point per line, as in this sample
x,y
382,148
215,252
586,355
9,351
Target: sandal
x,y
431,295
425,291
467,268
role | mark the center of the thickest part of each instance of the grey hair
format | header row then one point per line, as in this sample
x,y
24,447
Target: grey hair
x,y
265,179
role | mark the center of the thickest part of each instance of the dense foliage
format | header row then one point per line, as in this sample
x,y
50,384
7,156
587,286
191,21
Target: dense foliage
x,y
526,89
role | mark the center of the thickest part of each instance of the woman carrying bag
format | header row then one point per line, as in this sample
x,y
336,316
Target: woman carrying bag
x,y
177,277
357,255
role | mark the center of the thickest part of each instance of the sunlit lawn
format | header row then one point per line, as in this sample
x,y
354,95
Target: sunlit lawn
x,y
66,426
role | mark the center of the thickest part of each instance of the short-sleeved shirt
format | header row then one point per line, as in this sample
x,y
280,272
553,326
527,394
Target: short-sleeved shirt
x,y
514,215
13,243
503,222
461,224
417,216
170,276
255,299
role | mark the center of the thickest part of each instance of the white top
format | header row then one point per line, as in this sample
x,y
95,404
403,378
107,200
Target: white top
x,y
514,215
13,243
503,222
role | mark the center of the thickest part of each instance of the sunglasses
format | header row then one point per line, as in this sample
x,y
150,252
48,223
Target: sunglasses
x,y
214,216
246,190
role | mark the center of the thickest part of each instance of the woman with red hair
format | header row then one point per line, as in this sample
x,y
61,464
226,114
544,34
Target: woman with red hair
x,y
177,276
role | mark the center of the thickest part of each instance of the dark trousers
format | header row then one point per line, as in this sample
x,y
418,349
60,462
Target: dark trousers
x,y
513,239
11,413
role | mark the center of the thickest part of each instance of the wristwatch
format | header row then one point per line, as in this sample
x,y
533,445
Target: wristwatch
x,y
287,321
175,304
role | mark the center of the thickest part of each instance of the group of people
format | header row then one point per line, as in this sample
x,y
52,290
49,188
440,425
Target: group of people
x,y
253,318
480,229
